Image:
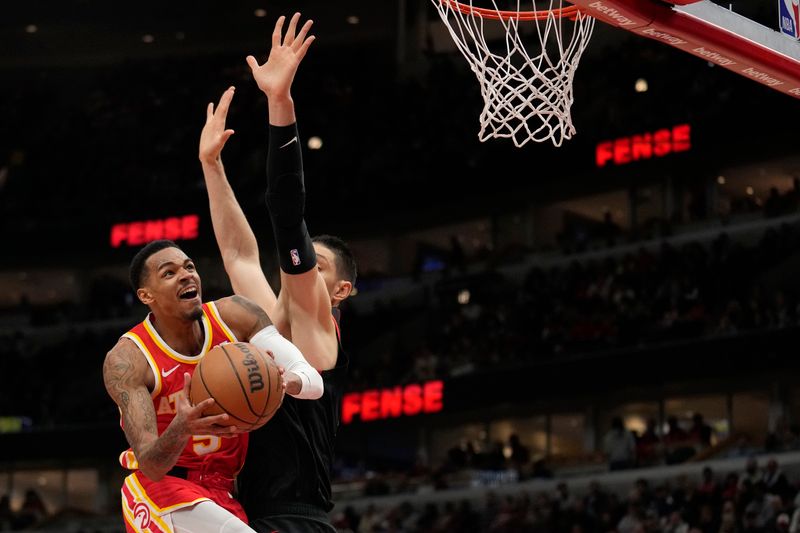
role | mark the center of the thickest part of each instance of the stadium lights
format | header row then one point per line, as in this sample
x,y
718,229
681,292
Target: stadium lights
x,y
314,143
464,297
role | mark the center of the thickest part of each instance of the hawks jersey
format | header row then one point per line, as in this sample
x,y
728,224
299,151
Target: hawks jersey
x,y
208,453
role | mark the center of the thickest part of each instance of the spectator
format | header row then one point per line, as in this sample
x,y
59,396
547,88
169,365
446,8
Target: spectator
x,y
674,523
707,521
677,443
782,523
619,446
632,521
32,511
370,520
751,473
762,506
728,517
596,502
775,481
700,432
773,207
520,456
6,515
749,523
708,491
563,498
648,445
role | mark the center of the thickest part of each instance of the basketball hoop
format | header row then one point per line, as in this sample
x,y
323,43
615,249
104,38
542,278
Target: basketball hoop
x,y
527,96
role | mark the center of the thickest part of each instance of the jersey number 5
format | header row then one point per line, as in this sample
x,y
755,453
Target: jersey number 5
x,y
203,444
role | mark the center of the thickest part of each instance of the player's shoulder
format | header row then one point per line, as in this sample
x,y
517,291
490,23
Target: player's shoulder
x,y
236,305
124,356
242,314
124,347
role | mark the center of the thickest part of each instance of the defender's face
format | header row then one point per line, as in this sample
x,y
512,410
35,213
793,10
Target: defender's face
x,y
326,265
172,285
338,288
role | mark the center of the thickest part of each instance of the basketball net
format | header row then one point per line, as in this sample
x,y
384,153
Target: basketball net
x,y
527,96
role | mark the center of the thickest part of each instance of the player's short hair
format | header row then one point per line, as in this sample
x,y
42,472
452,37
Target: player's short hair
x,y
345,262
137,272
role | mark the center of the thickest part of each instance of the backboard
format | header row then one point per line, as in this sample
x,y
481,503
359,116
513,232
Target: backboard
x,y
714,33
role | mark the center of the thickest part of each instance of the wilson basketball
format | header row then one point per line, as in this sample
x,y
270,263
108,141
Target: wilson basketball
x,y
244,382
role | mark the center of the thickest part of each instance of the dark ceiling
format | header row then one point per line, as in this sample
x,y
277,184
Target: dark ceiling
x,y
72,32
423,148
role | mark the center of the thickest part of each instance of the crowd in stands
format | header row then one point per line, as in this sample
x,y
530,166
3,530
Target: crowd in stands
x,y
30,514
639,299
756,500
643,298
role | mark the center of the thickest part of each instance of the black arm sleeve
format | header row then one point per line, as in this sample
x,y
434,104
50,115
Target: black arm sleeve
x,y
286,199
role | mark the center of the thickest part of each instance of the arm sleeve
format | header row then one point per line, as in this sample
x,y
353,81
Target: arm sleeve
x,y
289,357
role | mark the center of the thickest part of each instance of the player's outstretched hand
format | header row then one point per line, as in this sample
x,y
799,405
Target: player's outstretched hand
x,y
276,75
214,135
190,417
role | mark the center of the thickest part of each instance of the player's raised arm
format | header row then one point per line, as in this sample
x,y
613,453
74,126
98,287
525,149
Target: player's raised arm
x,y
125,374
235,238
307,299
275,77
248,321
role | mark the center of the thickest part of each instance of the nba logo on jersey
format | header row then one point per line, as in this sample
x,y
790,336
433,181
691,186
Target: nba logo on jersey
x,y
789,17
295,257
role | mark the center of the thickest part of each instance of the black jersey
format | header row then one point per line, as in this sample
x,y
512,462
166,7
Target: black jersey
x,y
289,459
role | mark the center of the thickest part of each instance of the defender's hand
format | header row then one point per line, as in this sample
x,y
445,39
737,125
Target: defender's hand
x,y
276,75
214,135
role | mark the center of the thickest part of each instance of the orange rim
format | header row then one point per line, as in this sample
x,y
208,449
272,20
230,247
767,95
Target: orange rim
x,y
569,12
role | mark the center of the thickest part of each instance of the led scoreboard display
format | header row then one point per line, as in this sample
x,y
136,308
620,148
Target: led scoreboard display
x,y
139,233
659,143
401,401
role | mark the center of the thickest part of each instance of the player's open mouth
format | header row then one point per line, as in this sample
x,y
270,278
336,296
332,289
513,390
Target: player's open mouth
x,y
188,293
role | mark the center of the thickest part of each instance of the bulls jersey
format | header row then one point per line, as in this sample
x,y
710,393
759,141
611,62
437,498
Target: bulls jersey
x,y
210,462
289,460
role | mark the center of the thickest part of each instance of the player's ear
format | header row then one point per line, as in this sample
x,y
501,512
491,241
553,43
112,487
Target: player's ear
x,y
145,296
342,289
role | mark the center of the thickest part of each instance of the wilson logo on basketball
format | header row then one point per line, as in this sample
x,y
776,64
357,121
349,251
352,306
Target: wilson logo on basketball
x,y
254,374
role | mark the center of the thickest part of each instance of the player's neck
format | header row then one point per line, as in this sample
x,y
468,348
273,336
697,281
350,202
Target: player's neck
x,y
185,336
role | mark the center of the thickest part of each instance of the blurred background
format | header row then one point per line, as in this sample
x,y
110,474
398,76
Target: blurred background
x,y
596,345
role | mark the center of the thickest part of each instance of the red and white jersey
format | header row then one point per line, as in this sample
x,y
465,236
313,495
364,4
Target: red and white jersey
x,y
206,453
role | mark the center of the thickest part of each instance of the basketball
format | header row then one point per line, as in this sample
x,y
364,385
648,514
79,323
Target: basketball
x,y
244,382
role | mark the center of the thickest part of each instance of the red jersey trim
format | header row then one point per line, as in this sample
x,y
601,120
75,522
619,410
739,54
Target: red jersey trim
x,y
214,312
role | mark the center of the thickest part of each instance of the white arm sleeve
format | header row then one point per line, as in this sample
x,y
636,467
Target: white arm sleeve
x,y
289,357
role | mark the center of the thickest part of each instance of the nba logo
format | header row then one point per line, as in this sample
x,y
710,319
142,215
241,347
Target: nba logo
x,y
295,257
789,17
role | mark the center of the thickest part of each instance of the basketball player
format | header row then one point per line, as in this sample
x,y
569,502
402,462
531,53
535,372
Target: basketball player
x,y
184,463
285,488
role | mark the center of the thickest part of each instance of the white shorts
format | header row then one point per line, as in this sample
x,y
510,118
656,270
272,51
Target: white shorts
x,y
206,517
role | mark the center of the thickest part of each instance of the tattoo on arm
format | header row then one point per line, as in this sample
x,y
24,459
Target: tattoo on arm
x,y
258,317
123,375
